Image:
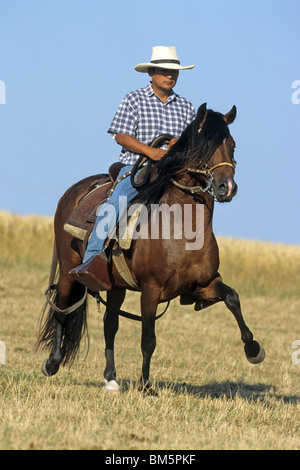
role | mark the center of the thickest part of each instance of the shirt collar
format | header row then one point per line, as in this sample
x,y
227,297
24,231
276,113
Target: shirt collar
x,y
150,92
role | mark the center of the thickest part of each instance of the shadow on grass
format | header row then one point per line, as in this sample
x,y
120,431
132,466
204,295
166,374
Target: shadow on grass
x,y
254,393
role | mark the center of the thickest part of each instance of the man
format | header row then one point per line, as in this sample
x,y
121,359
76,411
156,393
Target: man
x,y
143,115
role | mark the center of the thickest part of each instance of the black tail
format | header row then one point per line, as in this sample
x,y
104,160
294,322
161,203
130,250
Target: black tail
x,y
74,328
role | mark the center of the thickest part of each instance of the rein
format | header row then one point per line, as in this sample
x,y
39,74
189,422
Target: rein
x,y
208,173
156,143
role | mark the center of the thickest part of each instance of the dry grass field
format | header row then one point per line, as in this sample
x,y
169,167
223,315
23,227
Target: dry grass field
x,y
210,396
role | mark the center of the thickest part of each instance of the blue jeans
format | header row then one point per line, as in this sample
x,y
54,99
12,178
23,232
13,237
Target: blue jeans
x,y
110,213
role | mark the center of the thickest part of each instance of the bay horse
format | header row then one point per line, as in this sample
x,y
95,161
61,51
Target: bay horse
x,y
198,169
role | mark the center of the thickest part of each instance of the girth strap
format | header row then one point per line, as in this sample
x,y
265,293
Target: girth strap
x,y
122,267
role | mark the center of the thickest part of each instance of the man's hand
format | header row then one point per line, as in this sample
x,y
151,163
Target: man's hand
x,y
172,141
155,154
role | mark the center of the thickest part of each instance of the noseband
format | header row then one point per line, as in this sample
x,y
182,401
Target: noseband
x,y
208,174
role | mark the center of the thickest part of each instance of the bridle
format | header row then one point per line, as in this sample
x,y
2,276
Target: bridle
x,y
205,171
208,174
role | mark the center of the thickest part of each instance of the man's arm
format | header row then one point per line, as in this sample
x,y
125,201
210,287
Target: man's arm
x,y
134,145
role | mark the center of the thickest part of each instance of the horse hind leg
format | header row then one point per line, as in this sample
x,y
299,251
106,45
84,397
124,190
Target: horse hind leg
x,y
51,366
62,333
115,299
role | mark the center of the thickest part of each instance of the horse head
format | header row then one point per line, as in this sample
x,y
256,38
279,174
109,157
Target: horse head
x,y
220,168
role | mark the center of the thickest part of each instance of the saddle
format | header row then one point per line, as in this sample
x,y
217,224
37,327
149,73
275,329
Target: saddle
x,y
81,222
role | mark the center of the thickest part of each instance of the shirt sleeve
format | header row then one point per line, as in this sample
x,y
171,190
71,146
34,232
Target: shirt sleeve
x,y
191,114
126,118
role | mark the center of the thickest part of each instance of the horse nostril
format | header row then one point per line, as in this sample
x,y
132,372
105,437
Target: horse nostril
x,y
222,189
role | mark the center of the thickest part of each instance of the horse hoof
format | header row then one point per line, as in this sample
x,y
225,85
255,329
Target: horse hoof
x,y
150,393
147,390
111,386
255,353
49,368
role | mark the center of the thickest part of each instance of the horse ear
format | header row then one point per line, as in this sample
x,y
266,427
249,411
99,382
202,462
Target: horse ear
x,y
201,115
230,117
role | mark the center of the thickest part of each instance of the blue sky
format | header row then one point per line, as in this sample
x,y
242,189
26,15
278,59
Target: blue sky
x,y
66,65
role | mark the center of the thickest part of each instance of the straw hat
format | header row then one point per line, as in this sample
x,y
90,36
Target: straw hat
x,y
165,58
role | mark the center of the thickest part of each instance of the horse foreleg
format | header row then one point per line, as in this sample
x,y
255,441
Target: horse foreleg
x,y
254,352
111,325
217,291
148,343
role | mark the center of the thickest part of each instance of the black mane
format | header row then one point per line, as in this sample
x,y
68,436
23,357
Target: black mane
x,y
192,150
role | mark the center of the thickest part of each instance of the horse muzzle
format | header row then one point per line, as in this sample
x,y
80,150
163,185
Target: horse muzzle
x,y
225,190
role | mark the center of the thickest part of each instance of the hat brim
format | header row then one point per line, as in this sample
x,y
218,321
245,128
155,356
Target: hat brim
x,y
143,68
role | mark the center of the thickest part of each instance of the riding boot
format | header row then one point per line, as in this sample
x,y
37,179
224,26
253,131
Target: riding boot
x,y
94,273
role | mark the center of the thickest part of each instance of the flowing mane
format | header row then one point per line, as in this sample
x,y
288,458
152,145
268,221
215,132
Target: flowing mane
x,y
193,149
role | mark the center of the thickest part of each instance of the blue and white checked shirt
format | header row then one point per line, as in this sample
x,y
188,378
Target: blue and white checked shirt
x,y
144,116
